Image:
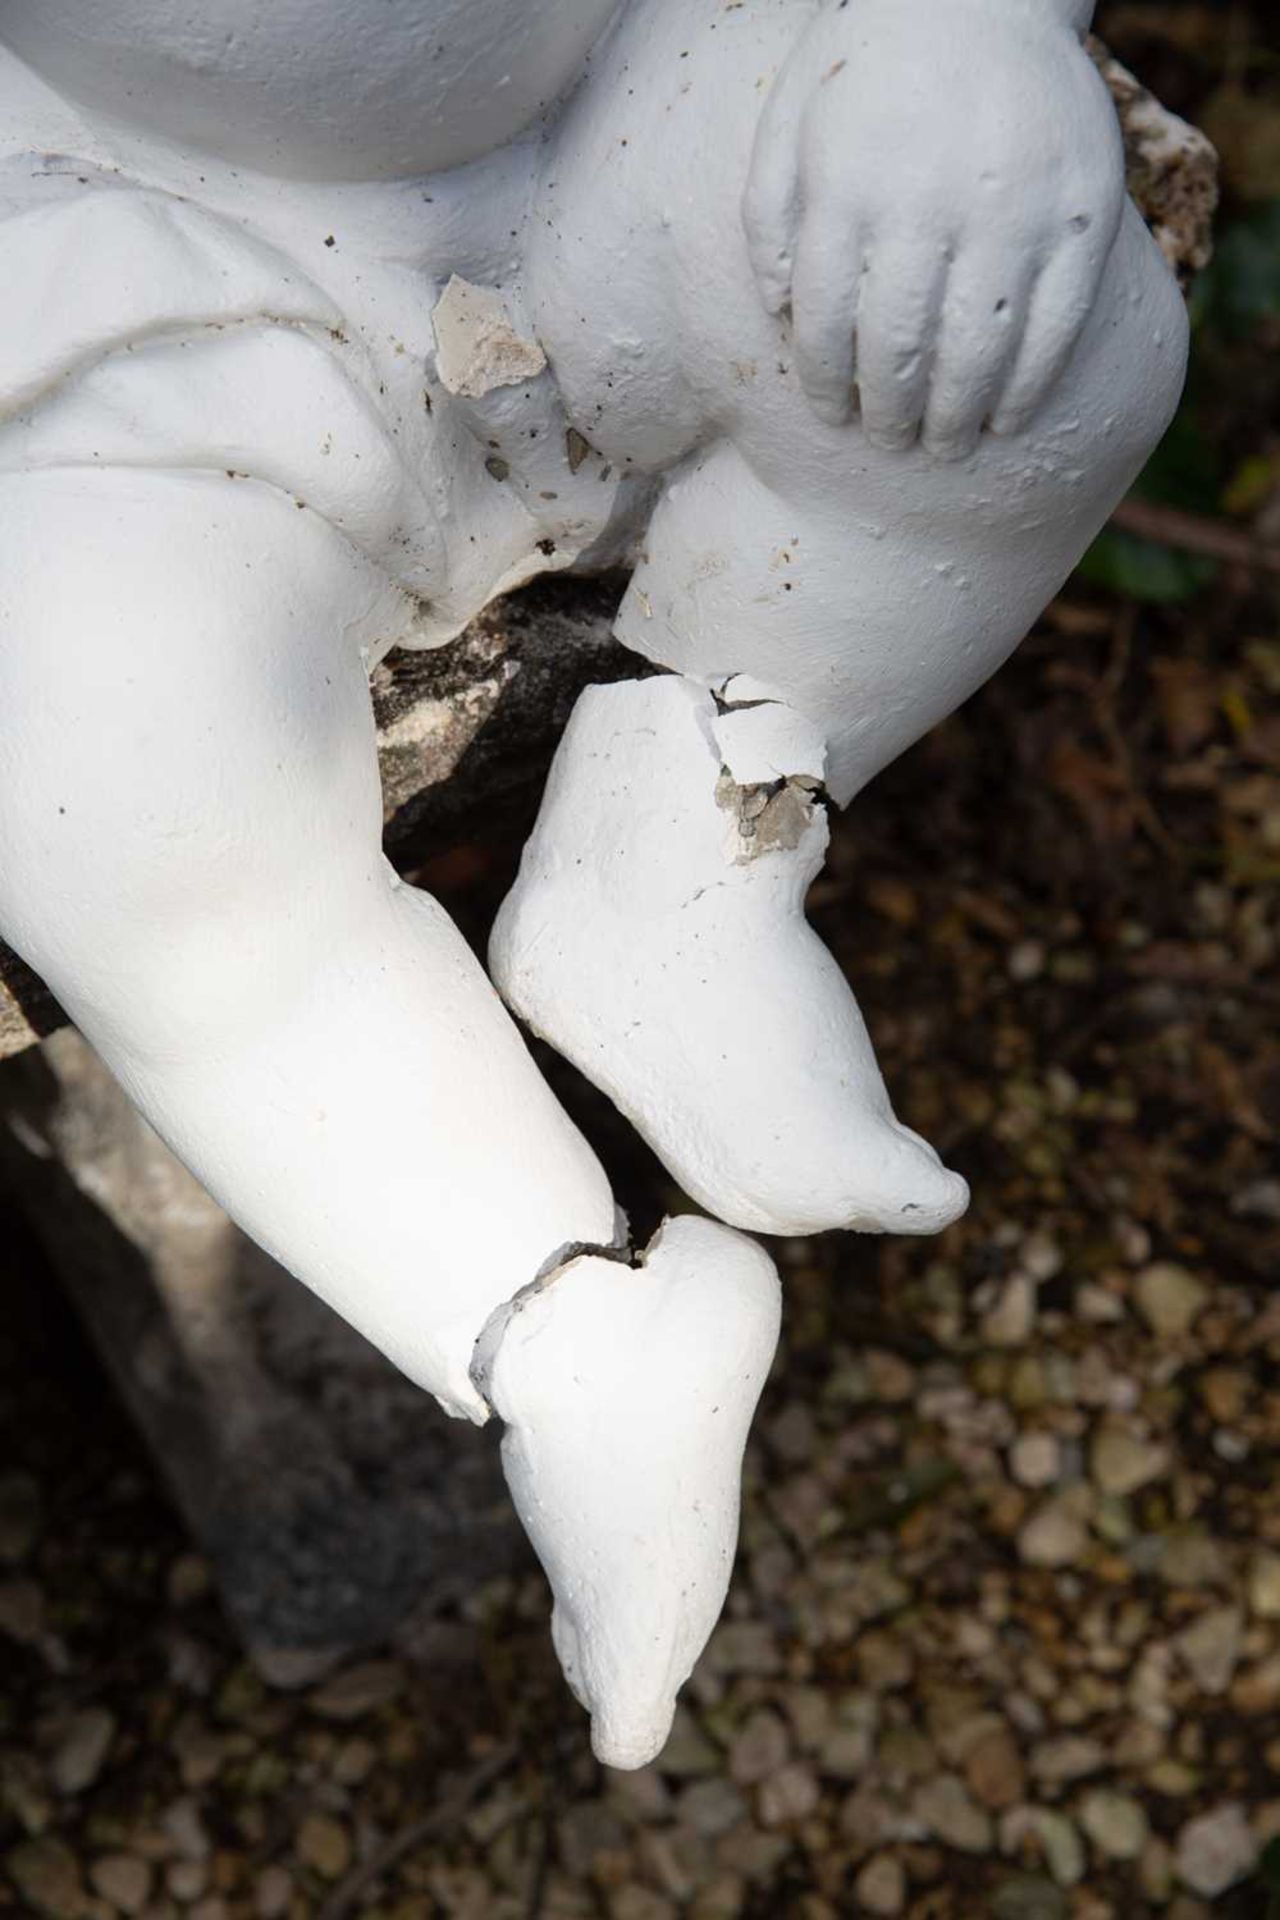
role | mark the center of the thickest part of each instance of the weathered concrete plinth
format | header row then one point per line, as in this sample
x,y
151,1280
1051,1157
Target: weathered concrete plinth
x,y
333,1497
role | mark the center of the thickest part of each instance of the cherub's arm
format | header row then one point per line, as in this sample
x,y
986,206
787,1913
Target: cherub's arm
x,y
935,188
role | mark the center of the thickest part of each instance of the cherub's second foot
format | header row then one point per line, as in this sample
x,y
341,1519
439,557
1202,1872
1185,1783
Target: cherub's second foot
x,y
656,937
627,1393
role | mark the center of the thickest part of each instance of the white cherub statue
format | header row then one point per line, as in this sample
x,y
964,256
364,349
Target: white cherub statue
x,y
325,322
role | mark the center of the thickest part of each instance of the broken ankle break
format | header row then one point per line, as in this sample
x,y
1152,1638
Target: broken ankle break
x,y
485,1353
772,767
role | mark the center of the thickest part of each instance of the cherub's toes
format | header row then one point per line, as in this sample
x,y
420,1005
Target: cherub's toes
x,y
918,1194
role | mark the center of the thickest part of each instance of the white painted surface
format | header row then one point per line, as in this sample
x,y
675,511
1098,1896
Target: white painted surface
x,y
370,89
628,1394
681,977
850,342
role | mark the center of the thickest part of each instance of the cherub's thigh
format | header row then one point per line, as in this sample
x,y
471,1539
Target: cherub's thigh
x,y
877,589
639,278
186,710
645,296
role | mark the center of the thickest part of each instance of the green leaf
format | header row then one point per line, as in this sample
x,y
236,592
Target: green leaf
x,y
1185,469
1251,485
1241,288
1145,570
1269,1866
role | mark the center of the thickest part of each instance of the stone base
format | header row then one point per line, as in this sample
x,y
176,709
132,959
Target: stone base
x,y
335,1501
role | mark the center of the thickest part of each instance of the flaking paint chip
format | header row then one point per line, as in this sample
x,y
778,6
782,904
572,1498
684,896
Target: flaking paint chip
x,y
478,347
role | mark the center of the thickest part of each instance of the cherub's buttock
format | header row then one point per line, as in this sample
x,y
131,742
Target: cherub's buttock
x,y
356,90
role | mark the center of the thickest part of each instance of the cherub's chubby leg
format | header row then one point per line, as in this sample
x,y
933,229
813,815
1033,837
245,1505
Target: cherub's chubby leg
x,y
819,602
190,853
656,936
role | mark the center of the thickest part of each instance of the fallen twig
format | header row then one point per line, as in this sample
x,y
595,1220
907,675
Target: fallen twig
x,y
1195,533
444,1815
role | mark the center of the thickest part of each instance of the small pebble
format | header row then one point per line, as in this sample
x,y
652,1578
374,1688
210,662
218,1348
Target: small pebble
x,y
1210,1647
272,1893
1122,1465
1054,1536
1027,960
994,1771
47,1875
1035,1459
1169,1298
1115,1823
21,1611
123,1879
1215,1851
1073,1756
1059,1840
1010,1321
1264,1586
324,1844
711,1807
1257,1690
186,1880
790,1794
78,1758
1098,1304
1028,1897
884,1661
881,1887
758,1749
945,1806
358,1690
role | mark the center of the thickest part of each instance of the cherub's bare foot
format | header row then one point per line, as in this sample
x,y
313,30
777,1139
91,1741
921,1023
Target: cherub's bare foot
x,y
627,1393
672,964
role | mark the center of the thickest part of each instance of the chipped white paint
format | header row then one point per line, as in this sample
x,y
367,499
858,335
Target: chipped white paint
x,y
854,345
477,347
765,740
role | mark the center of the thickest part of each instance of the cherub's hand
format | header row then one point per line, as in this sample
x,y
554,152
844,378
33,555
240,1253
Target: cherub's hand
x,y
935,188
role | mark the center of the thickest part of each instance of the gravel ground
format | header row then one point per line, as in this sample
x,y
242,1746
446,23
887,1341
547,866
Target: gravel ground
x,y
1005,1634
1004,1637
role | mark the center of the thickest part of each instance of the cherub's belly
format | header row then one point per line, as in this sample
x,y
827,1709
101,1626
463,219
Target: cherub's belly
x,y
314,89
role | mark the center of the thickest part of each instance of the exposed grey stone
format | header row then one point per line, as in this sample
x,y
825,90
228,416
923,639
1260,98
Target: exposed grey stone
x,y
264,1410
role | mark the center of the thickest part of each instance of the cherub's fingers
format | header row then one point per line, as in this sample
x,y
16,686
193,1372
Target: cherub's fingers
x,y
1061,302
771,203
982,324
902,294
824,306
